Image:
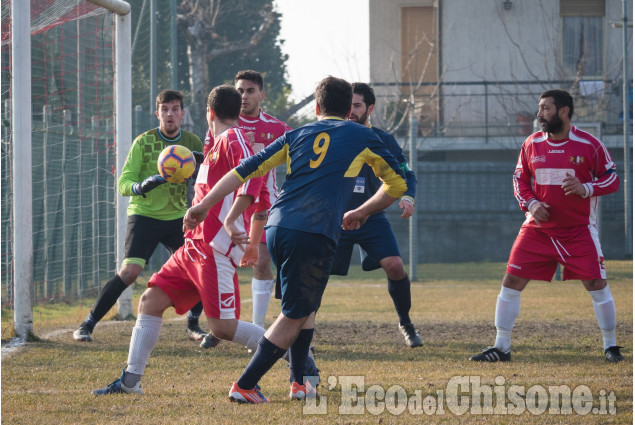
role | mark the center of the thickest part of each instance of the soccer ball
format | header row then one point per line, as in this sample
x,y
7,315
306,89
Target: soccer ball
x,y
176,164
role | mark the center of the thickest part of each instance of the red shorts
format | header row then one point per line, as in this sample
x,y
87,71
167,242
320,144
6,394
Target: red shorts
x,y
536,254
196,272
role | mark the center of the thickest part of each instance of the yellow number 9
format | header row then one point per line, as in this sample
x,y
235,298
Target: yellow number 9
x,y
320,146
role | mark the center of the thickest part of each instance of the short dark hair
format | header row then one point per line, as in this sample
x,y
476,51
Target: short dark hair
x,y
250,75
334,96
225,101
365,91
561,98
166,96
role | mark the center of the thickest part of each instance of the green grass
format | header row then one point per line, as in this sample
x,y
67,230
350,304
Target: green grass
x,y
556,342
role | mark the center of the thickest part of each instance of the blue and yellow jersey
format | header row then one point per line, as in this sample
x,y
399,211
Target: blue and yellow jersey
x,y
367,184
323,160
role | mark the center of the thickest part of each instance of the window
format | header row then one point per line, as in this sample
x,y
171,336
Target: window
x,y
583,37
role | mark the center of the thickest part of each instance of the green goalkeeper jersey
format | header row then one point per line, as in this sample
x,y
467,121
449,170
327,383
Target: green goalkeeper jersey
x,y
167,201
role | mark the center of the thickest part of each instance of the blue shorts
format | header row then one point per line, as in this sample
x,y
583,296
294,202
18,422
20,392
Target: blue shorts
x,y
303,264
375,238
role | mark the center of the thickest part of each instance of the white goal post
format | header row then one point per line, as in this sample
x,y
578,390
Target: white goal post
x,y
21,123
123,124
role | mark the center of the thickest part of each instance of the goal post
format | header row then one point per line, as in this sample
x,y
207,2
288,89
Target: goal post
x,y
22,180
47,222
123,125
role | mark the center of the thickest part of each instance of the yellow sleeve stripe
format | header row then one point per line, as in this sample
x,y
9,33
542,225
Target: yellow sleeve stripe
x,y
394,184
238,175
273,161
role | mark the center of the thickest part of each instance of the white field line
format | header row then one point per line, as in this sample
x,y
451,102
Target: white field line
x,y
15,344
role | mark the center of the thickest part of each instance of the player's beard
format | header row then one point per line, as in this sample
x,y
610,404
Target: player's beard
x,y
554,125
359,120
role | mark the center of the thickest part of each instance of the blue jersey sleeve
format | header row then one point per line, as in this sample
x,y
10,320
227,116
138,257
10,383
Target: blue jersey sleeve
x,y
259,164
395,149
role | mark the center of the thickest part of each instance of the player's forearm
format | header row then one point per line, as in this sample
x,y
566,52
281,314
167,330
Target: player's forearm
x,y
258,222
241,203
125,182
523,192
605,185
376,203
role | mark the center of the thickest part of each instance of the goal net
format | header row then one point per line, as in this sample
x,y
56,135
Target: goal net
x,y
73,150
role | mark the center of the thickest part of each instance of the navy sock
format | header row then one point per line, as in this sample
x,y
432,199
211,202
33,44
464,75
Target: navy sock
x,y
194,314
266,355
298,354
90,321
399,291
107,298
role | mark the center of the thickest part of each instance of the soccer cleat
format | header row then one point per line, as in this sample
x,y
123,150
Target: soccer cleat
x,y
411,335
210,341
194,332
492,354
253,396
613,354
117,387
82,334
300,392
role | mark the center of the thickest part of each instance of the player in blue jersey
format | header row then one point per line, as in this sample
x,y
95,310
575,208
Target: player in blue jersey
x,y
323,160
376,238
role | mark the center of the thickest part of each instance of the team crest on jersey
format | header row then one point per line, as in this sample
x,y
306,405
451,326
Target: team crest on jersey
x,y
267,136
214,156
227,300
577,160
538,158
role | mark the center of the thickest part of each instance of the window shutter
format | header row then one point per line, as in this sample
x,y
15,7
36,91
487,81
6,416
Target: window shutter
x,y
582,7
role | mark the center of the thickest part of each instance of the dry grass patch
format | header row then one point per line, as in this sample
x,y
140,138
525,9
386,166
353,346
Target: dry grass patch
x,y
556,342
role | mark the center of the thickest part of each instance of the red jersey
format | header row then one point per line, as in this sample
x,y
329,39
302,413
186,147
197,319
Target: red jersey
x,y
544,163
266,129
228,149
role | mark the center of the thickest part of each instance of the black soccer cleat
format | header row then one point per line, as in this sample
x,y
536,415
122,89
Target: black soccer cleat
x,y
210,341
194,332
492,355
83,333
613,354
411,335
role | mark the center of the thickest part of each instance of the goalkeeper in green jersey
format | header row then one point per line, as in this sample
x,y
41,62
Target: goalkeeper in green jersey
x,y
155,212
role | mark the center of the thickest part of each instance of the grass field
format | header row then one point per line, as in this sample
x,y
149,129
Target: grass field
x,y
556,343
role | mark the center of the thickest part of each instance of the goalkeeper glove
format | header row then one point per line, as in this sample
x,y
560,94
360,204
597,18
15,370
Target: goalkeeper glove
x,y
147,185
198,157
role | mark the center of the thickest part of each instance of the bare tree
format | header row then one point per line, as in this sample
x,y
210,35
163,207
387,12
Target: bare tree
x,y
198,19
594,106
411,93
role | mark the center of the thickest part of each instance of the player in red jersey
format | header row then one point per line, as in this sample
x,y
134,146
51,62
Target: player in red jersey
x,y
261,129
560,173
204,268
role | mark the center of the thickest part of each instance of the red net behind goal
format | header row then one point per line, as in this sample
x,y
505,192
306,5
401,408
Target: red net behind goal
x,y
73,149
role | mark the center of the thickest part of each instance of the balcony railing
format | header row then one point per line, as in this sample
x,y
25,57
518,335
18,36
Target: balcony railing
x,y
493,108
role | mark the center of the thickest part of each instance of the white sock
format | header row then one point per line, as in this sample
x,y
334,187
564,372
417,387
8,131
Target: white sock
x,y
604,308
261,293
248,334
145,335
507,309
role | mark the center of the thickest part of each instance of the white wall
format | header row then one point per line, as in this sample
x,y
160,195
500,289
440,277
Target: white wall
x,y
481,41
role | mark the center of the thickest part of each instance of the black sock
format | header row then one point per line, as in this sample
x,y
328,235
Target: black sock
x,y
107,298
266,355
399,291
194,314
298,354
